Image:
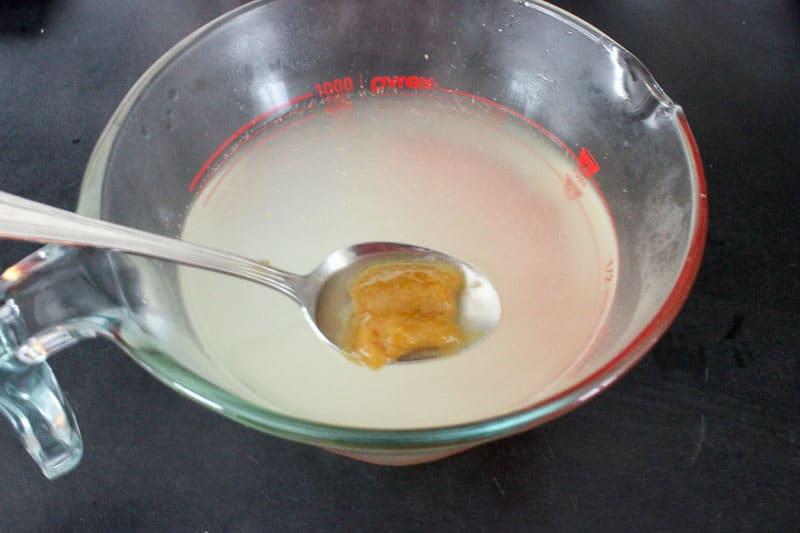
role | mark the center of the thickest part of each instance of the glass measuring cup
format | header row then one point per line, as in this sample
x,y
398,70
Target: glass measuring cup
x,y
220,86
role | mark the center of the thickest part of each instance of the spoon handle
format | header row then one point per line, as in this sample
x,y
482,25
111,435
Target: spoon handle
x,y
26,220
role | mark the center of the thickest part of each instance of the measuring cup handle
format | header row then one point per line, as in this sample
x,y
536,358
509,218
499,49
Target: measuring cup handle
x,y
49,301
31,399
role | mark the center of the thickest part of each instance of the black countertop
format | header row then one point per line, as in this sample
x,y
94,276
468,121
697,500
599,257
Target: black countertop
x,y
704,434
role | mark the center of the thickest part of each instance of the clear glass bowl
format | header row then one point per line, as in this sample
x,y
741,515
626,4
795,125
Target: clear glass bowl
x,y
267,62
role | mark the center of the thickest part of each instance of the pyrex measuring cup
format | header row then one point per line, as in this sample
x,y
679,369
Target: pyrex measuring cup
x,y
175,156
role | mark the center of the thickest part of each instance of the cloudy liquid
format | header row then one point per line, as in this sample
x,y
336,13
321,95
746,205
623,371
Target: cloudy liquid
x,y
485,188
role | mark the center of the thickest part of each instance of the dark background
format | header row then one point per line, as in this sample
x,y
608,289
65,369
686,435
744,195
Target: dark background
x,y
703,435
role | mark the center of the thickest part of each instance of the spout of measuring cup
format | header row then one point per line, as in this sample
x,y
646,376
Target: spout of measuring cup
x,y
633,86
48,301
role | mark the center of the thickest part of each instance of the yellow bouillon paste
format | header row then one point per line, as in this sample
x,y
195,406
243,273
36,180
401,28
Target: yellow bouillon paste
x,y
404,307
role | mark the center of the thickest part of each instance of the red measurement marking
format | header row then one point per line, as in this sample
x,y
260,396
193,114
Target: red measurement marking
x,y
609,273
238,133
335,92
587,164
334,87
381,83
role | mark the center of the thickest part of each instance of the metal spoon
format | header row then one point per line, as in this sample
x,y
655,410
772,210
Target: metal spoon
x,y
323,294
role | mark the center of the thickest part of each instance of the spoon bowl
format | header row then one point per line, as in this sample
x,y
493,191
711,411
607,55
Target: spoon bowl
x,y
326,293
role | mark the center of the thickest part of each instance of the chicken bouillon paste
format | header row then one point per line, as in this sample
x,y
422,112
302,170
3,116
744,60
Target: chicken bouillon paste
x,y
404,307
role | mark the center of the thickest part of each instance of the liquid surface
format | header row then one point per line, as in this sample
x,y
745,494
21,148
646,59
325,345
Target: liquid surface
x,y
401,308
445,175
